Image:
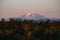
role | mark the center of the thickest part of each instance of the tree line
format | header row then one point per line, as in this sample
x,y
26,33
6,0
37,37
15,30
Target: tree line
x,y
29,30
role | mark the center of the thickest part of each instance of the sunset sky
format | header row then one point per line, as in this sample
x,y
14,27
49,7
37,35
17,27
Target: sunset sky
x,y
16,8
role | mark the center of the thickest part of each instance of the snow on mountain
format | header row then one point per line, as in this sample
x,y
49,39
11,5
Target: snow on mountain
x,y
33,15
54,19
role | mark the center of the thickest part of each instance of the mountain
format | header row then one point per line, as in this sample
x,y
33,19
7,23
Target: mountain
x,y
33,15
30,16
54,19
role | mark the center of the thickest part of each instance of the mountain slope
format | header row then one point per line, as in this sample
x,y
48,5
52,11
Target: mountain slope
x,y
33,15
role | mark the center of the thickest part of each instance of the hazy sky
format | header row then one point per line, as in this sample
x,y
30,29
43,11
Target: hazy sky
x,y
15,8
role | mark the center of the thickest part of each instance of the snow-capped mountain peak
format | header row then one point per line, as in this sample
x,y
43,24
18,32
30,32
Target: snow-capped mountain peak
x,y
33,15
30,15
